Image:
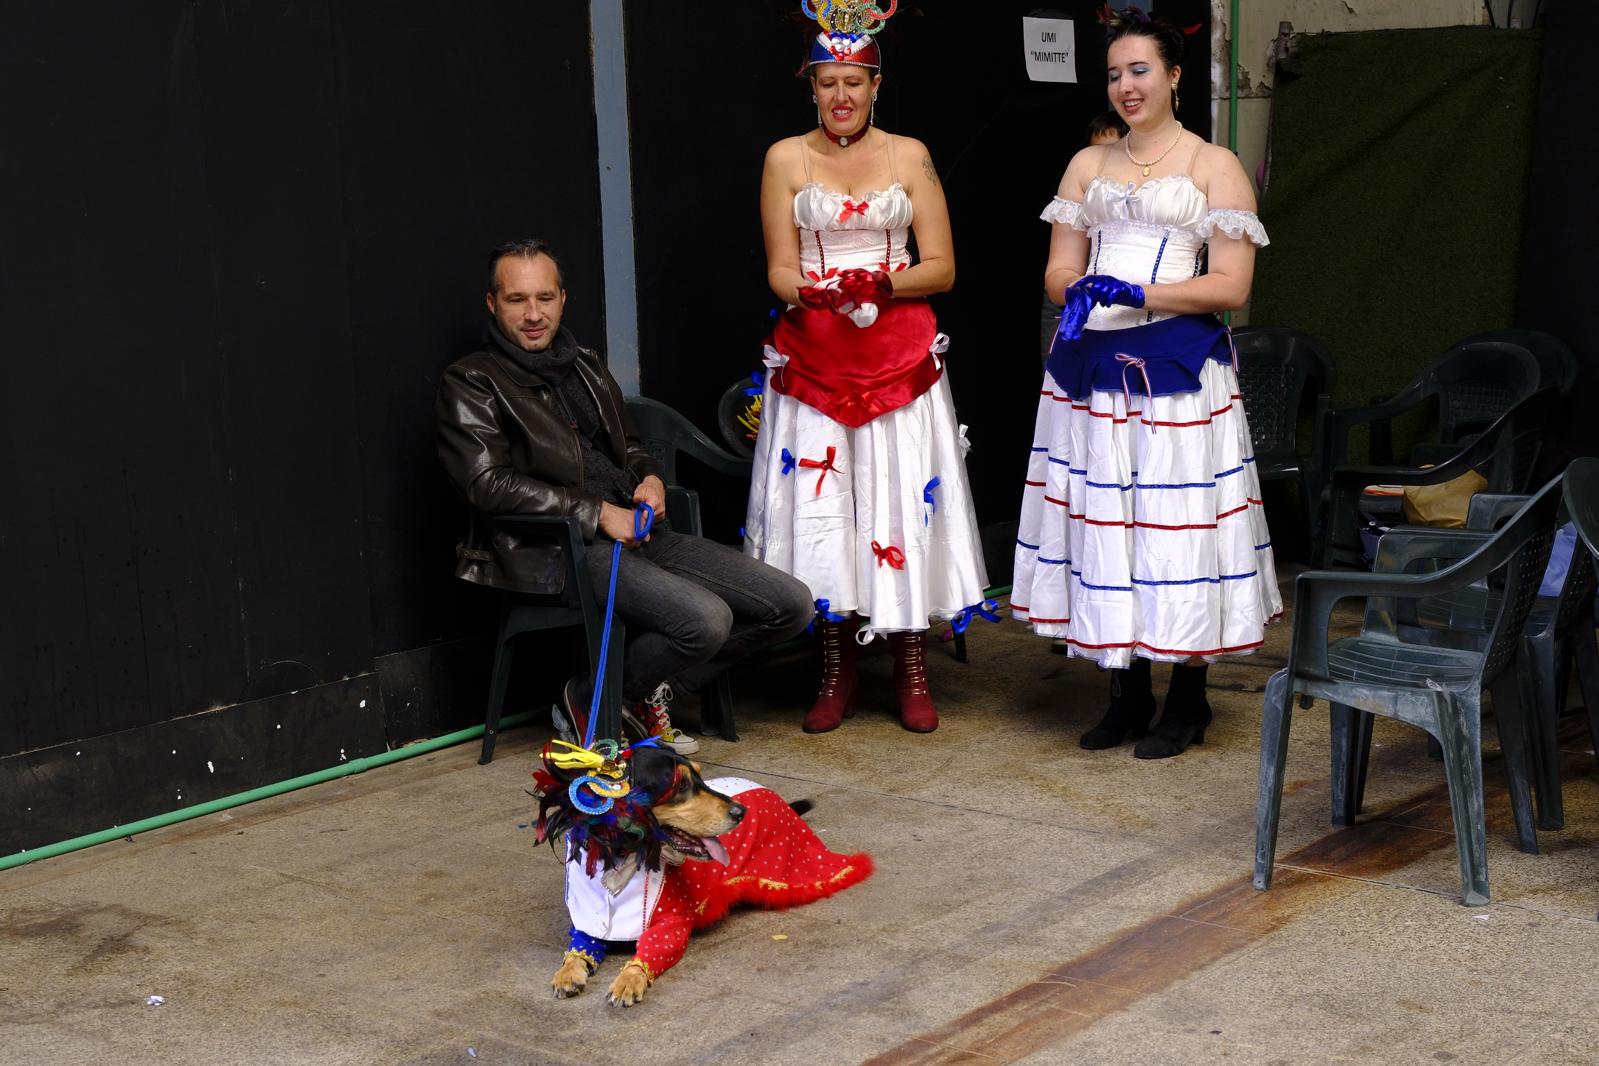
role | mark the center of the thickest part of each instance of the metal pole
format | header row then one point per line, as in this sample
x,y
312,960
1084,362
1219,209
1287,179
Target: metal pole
x,y
1232,79
608,44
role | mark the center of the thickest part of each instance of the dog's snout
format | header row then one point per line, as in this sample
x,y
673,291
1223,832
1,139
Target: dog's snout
x,y
735,811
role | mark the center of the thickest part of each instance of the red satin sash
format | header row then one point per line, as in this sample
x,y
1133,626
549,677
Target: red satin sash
x,y
852,375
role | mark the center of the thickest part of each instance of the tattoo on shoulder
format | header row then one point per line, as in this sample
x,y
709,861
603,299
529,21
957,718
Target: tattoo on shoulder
x,y
927,168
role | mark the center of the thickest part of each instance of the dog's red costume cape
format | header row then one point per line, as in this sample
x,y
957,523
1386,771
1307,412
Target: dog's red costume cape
x,y
774,861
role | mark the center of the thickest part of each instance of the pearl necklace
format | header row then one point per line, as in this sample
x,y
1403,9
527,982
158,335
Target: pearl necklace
x,y
1127,144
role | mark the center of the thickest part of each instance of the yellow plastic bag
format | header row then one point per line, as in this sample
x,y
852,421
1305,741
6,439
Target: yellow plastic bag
x,y
1443,505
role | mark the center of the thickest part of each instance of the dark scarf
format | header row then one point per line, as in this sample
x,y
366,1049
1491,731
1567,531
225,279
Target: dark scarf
x,y
601,476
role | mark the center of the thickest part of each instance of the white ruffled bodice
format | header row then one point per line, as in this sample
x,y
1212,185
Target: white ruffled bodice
x,y
1149,234
840,232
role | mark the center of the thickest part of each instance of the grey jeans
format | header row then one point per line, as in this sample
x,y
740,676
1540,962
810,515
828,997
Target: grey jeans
x,y
693,608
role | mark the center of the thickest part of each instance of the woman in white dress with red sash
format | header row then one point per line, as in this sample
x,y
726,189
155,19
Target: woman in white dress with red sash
x,y
1142,535
859,483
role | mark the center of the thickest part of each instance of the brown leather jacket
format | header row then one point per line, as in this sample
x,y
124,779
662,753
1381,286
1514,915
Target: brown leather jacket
x,y
509,449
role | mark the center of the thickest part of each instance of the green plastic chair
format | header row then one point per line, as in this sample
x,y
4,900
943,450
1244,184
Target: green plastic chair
x,y
1434,688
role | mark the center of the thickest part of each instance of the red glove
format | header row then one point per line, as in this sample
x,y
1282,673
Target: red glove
x,y
857,287
816,298
823,296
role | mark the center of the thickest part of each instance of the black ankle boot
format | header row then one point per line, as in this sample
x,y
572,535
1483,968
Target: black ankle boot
x,y
1132,708
1185,718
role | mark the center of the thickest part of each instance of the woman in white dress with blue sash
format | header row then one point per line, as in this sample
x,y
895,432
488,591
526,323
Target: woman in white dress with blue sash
x,y
1142,535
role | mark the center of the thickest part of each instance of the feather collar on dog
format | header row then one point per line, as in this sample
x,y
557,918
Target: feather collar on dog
x,y
593,798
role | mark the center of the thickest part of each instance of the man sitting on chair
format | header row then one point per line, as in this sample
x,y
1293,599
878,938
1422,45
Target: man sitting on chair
x,y
533,423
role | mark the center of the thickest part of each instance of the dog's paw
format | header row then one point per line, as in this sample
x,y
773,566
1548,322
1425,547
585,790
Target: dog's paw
x,y
571,978
629,987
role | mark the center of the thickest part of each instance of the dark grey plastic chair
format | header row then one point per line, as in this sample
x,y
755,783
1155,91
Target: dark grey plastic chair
x,y
729,409
574,605
1474,383
1558,637
1557,363
1505,453
666,434
1278,368
1582,501
1436,689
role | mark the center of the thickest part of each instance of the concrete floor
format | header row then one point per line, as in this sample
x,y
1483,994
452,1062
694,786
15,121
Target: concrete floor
x,y
1033,903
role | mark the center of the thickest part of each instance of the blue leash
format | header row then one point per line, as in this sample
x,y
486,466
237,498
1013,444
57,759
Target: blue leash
x,y
643,519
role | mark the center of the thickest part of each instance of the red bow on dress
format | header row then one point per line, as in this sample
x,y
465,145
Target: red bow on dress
x,y
852,208
824,465
890,555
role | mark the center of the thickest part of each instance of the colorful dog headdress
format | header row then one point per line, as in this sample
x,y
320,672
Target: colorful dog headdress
x,y
587,796
849,32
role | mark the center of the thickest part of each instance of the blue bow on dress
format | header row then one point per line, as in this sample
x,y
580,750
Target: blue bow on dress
x,y
985,610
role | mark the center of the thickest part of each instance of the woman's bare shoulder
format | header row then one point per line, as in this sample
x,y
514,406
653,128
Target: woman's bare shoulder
x,y
1221,177
786,151
1081,170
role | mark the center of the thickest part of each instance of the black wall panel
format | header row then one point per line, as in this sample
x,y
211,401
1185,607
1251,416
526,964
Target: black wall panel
x,y
461,127
1556,291
240,242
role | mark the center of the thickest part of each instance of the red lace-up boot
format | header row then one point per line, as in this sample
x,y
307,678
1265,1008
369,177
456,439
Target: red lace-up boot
x,y
916,710
836,700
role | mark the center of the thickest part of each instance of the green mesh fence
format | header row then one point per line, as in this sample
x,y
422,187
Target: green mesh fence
x,y
1399,174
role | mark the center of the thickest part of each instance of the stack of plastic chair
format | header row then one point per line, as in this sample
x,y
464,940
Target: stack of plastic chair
x,y
1506,453
1557,363
1436,689
1557,642
1472,384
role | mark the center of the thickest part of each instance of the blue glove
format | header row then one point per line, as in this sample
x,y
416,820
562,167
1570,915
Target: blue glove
x,y
1091,290
1074,314
1107,290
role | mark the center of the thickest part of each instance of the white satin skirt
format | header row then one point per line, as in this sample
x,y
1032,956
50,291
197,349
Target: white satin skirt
x,y
876,520
1142,532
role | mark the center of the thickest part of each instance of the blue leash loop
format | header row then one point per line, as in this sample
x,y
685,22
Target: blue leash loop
x,y
643,519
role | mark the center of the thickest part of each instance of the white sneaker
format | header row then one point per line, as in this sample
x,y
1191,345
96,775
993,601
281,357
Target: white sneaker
x,y
650,719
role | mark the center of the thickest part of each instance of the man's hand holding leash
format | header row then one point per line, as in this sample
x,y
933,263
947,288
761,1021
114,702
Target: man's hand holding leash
x,y
652,490
617,523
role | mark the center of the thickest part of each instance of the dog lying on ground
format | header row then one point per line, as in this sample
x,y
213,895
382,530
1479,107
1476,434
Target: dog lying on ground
x,y
655,851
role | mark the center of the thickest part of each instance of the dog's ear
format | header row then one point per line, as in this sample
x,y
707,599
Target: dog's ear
x,y
652,770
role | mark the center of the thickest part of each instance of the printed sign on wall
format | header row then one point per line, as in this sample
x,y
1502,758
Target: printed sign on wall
x,y
1048,45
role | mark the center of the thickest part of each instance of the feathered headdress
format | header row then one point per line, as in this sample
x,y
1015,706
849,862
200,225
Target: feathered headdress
x,y
849,30
594,798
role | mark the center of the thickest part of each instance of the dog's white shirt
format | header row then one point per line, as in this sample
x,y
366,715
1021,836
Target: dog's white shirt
x,y
624,914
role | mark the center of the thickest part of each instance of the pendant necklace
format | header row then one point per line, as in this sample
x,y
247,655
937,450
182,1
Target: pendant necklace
x,y
1127,143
